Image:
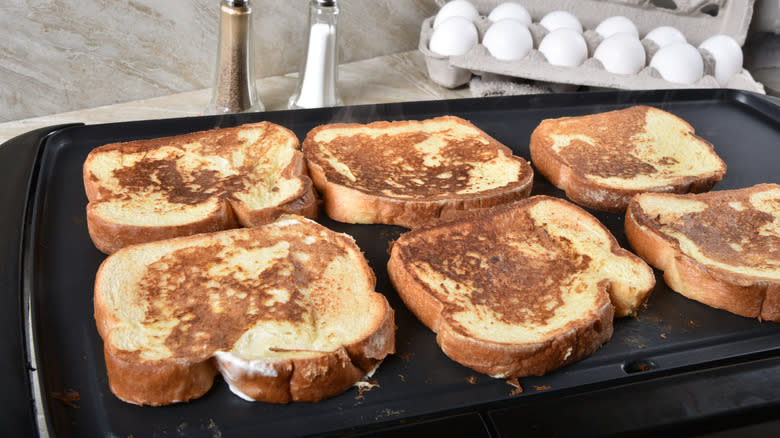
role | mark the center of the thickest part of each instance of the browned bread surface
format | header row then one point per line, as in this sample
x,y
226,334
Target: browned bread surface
x,y
720,248
147,190
285,312
410,173
521,290
602,160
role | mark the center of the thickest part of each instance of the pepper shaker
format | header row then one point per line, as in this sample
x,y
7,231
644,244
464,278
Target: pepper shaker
x,y
319,72
234,81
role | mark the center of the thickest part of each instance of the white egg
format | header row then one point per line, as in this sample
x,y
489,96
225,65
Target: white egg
x,y
680,63
665,35
510,10
560,19
621,53
508,39
616,24
727,54
456,8
454,36
565,47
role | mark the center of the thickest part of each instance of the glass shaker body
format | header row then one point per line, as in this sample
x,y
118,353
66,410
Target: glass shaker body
x,y
234,80
318,76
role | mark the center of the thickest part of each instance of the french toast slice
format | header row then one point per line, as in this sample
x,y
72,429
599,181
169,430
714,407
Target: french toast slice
x,y
521,290
720,248
410,172
147,190
602,160
285,312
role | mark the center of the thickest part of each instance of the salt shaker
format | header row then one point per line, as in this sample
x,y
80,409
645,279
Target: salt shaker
x,y
234,81
319,72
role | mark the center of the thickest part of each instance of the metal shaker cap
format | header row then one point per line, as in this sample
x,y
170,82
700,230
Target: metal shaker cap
x,y
236,3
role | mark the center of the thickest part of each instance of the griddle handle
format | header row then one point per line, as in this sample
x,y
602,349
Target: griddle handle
x,y
18,162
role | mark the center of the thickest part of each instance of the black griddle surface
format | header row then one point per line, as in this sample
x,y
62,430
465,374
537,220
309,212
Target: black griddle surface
x,y
674,336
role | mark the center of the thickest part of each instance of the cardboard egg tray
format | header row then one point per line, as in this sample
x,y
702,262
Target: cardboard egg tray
x,y
696,19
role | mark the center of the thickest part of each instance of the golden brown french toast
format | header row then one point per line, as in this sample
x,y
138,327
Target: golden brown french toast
x,y
602,160
285,312
521,290
720,248
147,190
411,172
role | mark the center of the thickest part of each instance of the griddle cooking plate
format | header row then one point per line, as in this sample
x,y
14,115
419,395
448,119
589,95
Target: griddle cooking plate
x,y
673,336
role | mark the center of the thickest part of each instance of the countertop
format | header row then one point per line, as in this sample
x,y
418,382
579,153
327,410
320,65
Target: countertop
x,y
400,77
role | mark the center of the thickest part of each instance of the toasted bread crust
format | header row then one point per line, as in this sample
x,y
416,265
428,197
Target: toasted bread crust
x,y
109,235
347,205
581,337
742,294
188,374
509,361
581,188
157,383
352,204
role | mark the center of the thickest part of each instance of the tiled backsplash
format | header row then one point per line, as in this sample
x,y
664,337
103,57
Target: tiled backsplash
x,y
59,55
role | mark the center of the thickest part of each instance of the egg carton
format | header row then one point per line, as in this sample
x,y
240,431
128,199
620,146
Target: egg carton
x,y
696,19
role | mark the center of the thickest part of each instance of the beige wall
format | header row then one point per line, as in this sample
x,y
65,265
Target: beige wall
x,y
62,55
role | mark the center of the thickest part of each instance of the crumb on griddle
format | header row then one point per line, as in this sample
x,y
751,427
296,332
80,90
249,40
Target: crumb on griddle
x,y
645,367
69,398
516,384
364,386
